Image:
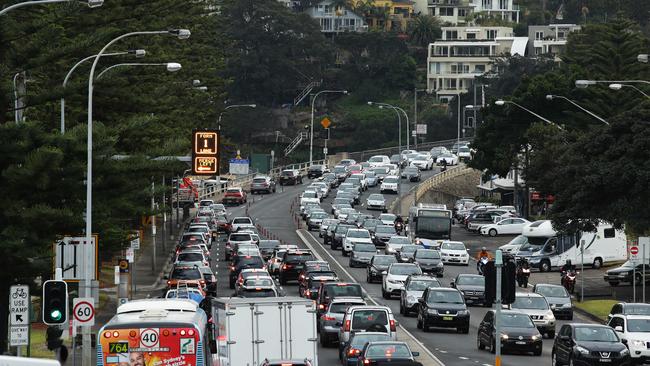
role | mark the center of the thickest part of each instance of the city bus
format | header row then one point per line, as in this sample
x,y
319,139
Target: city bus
x,y
429,224
155,332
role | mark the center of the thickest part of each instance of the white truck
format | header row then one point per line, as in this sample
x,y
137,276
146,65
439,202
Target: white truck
x,y
546,248
250,330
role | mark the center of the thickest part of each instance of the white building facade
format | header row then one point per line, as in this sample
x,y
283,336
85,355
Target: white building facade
x,y
332,20
549,39
456,12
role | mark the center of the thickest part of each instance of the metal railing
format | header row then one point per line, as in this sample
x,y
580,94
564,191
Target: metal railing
x,y
454,172
362,155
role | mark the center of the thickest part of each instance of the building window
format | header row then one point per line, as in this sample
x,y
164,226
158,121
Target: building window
x,y
462,12
539,35
538,50
446,12
487,4
451,34
326,24
471,35
479,69
561,35
491,33
503,4
451,84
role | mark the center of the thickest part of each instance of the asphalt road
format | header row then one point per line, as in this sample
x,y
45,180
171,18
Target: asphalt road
x,y
272,213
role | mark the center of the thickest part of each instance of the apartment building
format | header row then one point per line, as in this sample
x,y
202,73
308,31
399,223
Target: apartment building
x,y
549,39
464,53
456,12
334,20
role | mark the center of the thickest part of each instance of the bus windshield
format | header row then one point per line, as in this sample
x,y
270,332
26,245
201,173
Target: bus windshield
x,y
433,228
534,244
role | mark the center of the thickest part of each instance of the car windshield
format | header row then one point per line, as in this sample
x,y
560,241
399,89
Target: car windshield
x,y
551,291
233,190
358,234
463,149
362,319
446,155
595,334
341,201
399,240
368,248
376,197
421,285
341,307
421,157
410,248
319,215
319,266
268,244
471,280
385,229
376,159
387,217
453,246
380,170
249,260
384,259
259,282
533,302
257,292
411,170
182,294
391,180
316,167
309,194
360,339
259,180
186,274
510,320
370,174
388,351
533,244
637,309
343,289
190,257
427,254
342,229
445,297
339,169
287,173
240,237
242,220
298,257
638,325
405,270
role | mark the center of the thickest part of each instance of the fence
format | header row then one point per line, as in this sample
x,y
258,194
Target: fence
x,y
363,155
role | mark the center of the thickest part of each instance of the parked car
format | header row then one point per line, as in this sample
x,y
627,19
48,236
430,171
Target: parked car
x,y
264,184
518,333
234,195
290,176
444,308
412,291
624,273
558,298
509,226
588,344
316,171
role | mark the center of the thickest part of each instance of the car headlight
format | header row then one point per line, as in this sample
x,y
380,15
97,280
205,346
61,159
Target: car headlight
x,y
638,343
535,337
582,350
567,305
625,352
549,316
463,312
504,336
433,311
440,264
411,298
390,250
393,281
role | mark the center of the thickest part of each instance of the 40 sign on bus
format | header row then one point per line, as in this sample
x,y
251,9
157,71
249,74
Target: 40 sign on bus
x,y
205,152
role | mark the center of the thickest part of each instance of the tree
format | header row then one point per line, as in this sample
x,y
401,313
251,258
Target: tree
x,y
424,30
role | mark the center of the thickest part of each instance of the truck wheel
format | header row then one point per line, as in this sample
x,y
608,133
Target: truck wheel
x,y
598,262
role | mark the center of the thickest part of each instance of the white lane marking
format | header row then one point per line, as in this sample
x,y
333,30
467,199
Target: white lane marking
x,y
309,245
486,364
463,358
443,351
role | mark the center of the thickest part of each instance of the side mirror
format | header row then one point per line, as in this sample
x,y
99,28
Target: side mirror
x,y
421,300
618,328
415,354
452,284
384,273
624,341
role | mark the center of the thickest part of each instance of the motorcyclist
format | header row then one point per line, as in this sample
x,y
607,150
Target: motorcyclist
x,y
399,223
444,165
567,267
483,253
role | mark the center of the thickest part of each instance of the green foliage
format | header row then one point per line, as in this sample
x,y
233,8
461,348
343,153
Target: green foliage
x,y
423,30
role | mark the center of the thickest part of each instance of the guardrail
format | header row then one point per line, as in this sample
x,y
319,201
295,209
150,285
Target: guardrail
x,y
429,183
363,155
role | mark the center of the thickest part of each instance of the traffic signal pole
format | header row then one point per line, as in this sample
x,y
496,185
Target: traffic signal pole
x,y
497,320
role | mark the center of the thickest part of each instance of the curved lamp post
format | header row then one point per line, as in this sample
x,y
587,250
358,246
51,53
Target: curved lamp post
x,y
91,4
233,106
551,97
501,102
171,67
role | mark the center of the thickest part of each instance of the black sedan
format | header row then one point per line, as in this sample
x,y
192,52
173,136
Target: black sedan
x,y
472,286
588,344
361,254
382,234
377,265
624,273
518,333
444,308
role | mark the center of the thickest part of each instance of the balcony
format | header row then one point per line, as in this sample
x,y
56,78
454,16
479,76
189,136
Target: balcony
x,y
448,2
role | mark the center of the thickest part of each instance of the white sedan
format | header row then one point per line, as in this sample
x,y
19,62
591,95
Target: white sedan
x,y
376,201
454,252
509,226
450,158
422,161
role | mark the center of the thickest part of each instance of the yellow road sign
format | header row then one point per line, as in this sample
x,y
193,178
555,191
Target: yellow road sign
x,y
325,122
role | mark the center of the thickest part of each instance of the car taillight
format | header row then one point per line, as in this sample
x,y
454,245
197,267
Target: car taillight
x,y
227,244
321,306
286,266
169,282
366,362
232,268
330,318
393,328
307,292
346,326
353,352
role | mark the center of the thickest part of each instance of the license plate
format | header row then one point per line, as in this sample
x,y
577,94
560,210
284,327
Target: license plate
x,y
454,260
605,360
520,342
447,318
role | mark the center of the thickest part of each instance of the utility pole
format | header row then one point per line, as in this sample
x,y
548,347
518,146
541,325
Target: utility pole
x,y
164,211
415,114
153,227
497,316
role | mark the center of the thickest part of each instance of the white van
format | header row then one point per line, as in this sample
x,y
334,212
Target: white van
x,y
547,248
378,160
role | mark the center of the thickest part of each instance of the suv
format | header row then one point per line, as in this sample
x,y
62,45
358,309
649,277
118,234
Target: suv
x,y
537,307
479,219
444,308
629,308
316,171
237,238
366,318
262,184
293,262
234,195
354,236
330,290
240,222
290,176
588,344
243,262
634,331
332,319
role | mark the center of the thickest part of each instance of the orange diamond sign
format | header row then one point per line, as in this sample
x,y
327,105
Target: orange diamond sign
x,y
325,122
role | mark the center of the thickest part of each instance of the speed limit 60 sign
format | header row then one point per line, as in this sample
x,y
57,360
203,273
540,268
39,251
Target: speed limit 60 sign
x,y
83,311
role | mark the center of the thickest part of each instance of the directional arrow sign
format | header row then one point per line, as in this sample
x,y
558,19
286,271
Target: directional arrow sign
x,y
19,305
69,257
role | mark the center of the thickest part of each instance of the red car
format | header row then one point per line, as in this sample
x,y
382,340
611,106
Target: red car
x,y
234,195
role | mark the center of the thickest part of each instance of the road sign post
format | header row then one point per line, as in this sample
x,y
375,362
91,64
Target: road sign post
x,y
19,303
497,318
69,256
644,242
634,257
205,152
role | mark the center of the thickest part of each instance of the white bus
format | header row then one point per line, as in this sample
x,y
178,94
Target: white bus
x,y
547,249
429,224
156,332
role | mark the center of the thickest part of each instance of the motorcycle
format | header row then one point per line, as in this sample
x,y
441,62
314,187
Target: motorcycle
x,y
399,227
482,262
569,280
523,272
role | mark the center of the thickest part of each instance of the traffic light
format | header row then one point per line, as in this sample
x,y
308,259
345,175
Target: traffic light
x,y
490,274
508,285
325,134
53,335
55,302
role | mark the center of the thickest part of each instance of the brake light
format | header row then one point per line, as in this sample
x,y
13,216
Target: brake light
x,y
346,326
321,306
307,292
286,266
169,282
330,318
393,328
353,352
232,268
366,362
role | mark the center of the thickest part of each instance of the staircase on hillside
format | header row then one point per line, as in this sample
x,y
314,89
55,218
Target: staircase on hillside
x,y
305,92
295,143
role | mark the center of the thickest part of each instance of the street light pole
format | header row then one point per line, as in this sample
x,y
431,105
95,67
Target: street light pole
x,y
91,4
138,53
171,67
617,86
311,132
503,102
85,287
551,97
233,106
415,112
